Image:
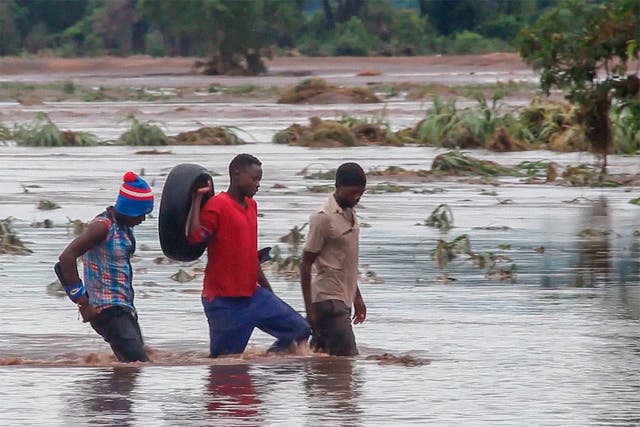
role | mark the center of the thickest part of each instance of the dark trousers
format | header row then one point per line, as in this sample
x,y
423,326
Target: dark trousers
x,y
119,327
334,334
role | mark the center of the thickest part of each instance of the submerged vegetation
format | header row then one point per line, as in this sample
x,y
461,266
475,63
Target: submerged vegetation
x,y
42,132
209,136
143,133
347,132
10,243
318,91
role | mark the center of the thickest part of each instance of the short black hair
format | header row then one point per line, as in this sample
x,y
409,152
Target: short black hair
x,y
243,160
350,174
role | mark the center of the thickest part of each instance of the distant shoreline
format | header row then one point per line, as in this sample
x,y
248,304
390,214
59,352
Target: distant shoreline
x,y
145,65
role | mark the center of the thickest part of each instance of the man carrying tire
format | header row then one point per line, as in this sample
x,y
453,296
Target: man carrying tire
x,y
233,302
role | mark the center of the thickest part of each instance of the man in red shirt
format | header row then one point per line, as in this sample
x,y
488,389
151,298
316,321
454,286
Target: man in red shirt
x,y
232,300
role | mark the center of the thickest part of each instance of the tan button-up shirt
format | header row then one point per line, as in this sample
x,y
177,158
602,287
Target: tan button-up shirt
x,y
334,235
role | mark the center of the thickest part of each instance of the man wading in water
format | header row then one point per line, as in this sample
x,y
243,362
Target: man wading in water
x,y
333,244
232,300
106,248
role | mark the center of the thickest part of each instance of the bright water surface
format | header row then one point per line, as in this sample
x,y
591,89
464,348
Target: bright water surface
x,y
559,346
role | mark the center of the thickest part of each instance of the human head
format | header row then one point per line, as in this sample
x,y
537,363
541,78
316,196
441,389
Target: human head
x,y
245,173
351,183
135,199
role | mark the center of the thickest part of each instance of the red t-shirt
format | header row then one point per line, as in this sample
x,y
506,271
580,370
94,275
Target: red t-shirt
x,y
232,252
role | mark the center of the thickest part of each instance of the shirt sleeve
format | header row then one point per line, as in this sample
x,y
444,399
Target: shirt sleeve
x,y
209,215
318,227
102,220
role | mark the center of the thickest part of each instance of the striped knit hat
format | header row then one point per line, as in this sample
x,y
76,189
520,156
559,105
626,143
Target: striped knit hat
x,y
135,197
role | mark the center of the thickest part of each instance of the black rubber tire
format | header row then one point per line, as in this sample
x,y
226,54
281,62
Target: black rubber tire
x,y
175,204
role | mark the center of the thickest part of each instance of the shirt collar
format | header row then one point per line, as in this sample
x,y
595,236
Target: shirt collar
x,y
332,206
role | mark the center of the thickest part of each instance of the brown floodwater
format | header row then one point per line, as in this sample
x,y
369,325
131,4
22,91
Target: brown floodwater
x,y
555,344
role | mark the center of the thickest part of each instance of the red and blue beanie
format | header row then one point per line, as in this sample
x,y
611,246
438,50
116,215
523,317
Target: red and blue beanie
x,y
135,197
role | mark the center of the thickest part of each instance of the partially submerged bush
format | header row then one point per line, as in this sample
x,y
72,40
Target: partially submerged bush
x,y
318,91
554,125
330,133
221,135
143,133
42,132
479,127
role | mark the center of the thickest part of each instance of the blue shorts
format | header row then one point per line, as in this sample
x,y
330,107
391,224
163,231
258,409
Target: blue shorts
x,y
232,319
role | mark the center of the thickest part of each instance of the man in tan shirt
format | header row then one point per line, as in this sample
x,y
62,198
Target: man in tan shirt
x,y
333,244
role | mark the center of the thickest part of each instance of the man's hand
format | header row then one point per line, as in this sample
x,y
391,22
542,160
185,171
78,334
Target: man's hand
x,y
359,311
88,312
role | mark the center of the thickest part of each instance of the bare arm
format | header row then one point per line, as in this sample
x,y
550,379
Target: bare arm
x,y
194,211
95,233
308,258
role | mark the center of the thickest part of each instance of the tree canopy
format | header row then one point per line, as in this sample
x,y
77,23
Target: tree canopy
x,y
587,49
235,36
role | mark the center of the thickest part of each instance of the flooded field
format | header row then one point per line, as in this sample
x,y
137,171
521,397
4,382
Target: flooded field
x,y
549,335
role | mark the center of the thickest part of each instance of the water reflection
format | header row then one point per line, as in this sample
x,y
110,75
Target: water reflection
x,y
594,249
333,388
232,393
109,395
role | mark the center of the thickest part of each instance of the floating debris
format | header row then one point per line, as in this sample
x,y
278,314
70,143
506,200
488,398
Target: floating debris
x,y
445,251
10,243
371,277
386,187
47,223
182,276
56,289
580,200
47,205
503,274
78,226
321,188
457,163
441,217
391,359
154,151
294,237
493,228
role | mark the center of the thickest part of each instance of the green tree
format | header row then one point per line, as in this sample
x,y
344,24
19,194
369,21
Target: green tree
x,y
340,11
233,35
585,48
10,38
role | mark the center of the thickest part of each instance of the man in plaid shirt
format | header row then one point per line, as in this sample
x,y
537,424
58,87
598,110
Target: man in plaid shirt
x,y
105,298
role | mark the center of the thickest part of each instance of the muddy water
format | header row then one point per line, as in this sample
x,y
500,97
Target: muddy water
x,y
557,344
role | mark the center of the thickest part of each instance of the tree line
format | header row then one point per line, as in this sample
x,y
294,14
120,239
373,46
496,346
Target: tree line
x,y
236,36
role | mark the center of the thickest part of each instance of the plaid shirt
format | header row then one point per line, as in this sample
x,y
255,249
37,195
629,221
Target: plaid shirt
x,y
107,266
